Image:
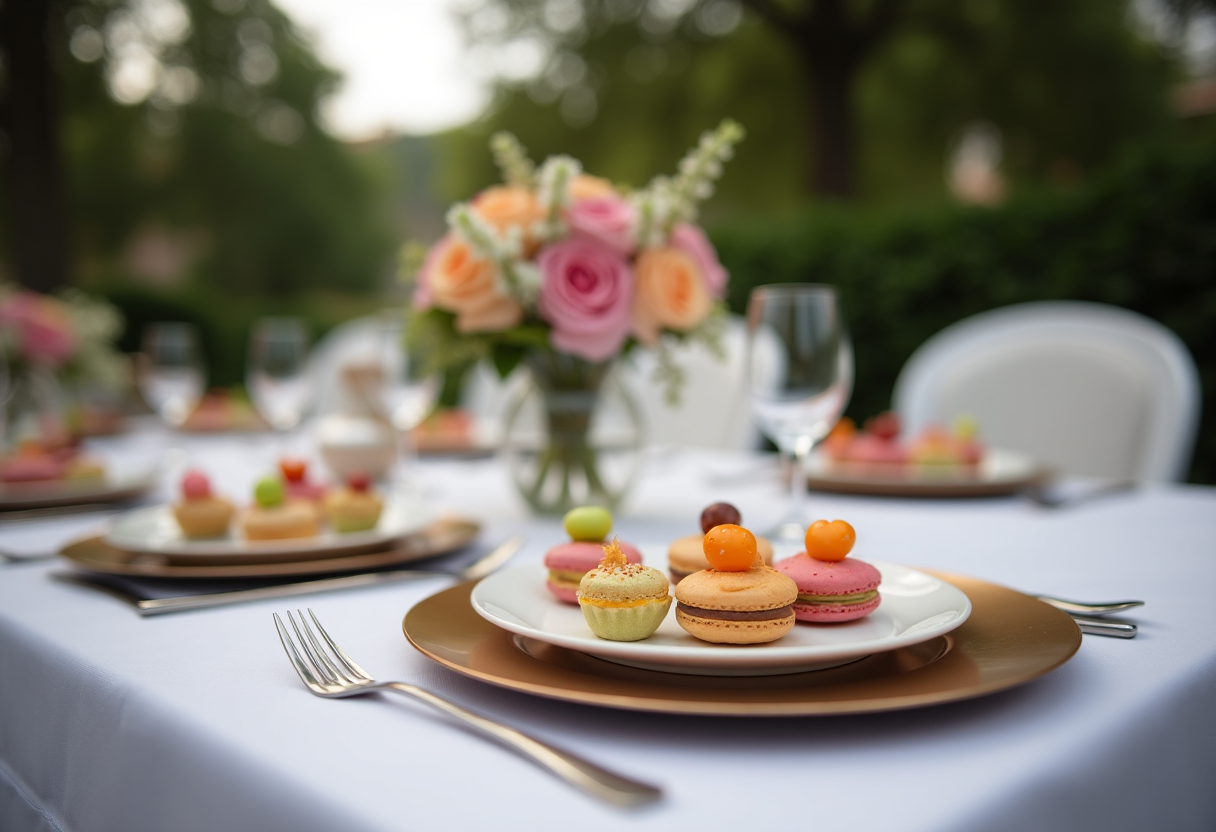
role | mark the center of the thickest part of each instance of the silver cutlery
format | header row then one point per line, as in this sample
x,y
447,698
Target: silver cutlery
x,y
1081,608
1105,627
478,569
328,672
1089,616
1046,496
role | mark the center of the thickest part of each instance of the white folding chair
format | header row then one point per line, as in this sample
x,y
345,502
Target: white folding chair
x,y
712,411
1090,389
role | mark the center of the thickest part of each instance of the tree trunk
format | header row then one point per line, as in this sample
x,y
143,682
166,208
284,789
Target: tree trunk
x,y
39,219
829,73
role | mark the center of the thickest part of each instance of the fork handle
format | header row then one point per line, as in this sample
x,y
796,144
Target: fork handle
x,y
587,776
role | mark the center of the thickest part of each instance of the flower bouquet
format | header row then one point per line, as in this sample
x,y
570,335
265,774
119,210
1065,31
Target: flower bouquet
x,y
46,343
565,272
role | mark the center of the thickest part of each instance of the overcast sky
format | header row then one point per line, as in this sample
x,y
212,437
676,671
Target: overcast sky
x,y
402,62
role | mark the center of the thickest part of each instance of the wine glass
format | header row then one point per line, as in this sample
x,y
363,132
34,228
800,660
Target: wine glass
x,y
408,390
799,376
277,372
172,375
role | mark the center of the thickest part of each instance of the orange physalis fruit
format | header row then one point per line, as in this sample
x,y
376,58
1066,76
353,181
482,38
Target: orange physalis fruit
x,y
830,540
730,548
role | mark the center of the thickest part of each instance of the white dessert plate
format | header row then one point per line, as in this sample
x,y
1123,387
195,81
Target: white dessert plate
x,y
116,486
999,472
915,607
153,530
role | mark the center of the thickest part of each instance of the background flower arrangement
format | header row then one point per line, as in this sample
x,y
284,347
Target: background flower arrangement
x,y
71,336
559,261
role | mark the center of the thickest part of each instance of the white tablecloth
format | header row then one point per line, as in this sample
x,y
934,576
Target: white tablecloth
x,y
195,721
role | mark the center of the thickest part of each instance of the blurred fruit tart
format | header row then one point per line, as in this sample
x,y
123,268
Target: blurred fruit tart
x,y
199,512
275,517
354,508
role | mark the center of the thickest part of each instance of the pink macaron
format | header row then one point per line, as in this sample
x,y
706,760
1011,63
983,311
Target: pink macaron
x,y
832,591
568,562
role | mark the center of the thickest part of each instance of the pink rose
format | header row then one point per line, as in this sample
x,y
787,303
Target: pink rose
x,y
586,295
44,333
608,219
691,239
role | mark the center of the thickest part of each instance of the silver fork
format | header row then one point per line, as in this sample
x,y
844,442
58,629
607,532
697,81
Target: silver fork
x,y
327,671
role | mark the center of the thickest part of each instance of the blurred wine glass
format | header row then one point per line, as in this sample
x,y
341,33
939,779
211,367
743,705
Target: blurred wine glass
x,y
277,372
409,392
800,377
172,377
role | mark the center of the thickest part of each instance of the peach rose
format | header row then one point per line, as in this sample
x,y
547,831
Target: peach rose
x,y
505,206
590,187
669,291
462,283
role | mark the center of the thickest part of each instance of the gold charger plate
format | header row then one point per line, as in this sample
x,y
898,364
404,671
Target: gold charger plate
x,y
446,535
1009,640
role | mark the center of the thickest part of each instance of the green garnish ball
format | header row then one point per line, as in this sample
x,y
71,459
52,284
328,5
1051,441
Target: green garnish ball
x,y
268,492
588,523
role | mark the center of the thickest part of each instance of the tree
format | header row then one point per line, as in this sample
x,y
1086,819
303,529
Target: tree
x,y
29,117
195,126
838,69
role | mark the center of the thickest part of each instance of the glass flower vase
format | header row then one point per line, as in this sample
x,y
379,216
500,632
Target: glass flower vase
x,y
572,435
34,412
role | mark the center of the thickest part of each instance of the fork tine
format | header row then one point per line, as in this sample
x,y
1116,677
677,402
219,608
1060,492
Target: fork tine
x,y
330,665
319,665
350,664
303,670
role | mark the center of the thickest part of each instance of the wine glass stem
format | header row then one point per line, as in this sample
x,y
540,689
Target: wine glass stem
x,y
798,489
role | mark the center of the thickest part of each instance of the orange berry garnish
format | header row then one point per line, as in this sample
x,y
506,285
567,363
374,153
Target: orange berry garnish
x,y
830,540
730,548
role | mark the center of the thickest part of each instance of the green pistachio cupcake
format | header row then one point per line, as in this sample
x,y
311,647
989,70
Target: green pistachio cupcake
x,y
623,601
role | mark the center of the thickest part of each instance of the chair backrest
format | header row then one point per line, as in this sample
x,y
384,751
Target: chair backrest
x,y
712,411
1090,389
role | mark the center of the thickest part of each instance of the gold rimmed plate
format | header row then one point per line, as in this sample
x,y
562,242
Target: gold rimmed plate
x,y
1008,640
115,487
1000,472
94,554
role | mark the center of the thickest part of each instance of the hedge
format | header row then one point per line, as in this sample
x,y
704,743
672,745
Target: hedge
x,y
1142,236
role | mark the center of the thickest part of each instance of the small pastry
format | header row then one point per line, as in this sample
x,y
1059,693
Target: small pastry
x,y
738,600
295,479
200,513
568,562
831,588
274,517
623,601
84,468
687,554
354,508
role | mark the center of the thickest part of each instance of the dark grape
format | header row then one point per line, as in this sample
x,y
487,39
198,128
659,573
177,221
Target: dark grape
x,y
719,514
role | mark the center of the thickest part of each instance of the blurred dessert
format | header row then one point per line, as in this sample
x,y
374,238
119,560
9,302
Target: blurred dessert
x,y
879,444
354,508
274,517
623,601
296,483
687,554
200,513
